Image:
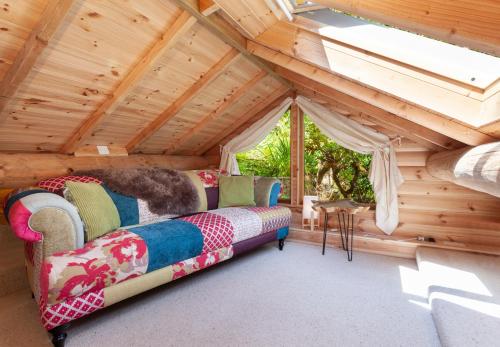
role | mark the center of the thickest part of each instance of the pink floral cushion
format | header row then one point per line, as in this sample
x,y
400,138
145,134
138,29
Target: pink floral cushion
x,y
210,178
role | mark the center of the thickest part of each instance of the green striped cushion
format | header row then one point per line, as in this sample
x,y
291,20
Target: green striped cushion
x,y
98,212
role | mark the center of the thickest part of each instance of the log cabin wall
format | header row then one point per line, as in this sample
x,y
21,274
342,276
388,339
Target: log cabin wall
x,y
456,217
21,170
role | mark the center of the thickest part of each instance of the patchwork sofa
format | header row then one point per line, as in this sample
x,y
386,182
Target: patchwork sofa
x,y
71,277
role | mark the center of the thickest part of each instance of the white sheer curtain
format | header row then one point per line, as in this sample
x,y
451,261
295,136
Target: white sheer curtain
x,y
384,172
251,137
384,176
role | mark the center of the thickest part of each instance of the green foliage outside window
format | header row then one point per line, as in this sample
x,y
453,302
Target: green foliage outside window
x,y
331,171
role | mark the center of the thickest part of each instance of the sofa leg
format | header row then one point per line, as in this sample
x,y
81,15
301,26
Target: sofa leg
x,y
281,244
59,335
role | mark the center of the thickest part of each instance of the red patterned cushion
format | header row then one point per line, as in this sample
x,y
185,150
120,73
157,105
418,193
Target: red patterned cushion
x,y
56,184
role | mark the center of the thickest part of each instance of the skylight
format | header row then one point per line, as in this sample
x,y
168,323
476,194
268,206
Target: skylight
x,y
458,63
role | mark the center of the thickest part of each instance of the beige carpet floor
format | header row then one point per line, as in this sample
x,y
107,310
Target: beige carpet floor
x,y
464,294
266,298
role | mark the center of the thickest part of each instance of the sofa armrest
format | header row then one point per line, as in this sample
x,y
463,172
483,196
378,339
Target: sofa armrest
x,y
43,216
266,191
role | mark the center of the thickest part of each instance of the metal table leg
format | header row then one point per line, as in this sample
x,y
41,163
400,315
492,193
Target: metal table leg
x,y
346,228
325,229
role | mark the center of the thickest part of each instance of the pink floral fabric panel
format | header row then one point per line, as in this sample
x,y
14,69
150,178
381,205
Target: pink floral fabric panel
x,y
218,232
200,262
273,218
210,178
106,261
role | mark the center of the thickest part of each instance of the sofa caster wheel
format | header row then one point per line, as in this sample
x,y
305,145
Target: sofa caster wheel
x,y
281,244
59,335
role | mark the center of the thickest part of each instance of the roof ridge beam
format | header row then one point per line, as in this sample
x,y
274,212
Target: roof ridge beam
x,y
167,40
180,102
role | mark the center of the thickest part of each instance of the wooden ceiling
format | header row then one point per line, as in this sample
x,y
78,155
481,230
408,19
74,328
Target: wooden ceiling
x,y
159,76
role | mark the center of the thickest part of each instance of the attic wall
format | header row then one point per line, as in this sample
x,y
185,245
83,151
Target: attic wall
x,y
440,209
20,170
456,217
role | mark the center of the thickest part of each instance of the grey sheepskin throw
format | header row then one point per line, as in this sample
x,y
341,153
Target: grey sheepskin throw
x,y
166,191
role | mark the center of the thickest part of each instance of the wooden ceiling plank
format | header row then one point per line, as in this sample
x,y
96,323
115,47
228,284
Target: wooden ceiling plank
x,y
388,103
261,109
50,21
212,116
207,7
220,28
179,103
182,24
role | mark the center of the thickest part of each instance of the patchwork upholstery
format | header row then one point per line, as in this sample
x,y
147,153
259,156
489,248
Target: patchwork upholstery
x,y
266,191
217,231
71,279
169,242
77,307
273,218
125,254
21,207
246,224
103,262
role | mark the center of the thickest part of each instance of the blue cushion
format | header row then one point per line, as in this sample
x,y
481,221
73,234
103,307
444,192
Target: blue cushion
x,y
170,241
127,207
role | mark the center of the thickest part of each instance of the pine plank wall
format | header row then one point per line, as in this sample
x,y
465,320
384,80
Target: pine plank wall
x,y
456,217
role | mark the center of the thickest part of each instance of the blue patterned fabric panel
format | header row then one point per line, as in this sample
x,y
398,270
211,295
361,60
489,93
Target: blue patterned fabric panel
x,y
275,192
170,242
127,207
282,233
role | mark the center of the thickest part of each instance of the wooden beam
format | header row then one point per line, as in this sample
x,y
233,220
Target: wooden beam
x,y
492,129
371,121
388,103
182,24
50,21
207,7
187,96
477,168
212,116
240,124
296,155
99,151
456,98
24,169
431,139
220,28
462,22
